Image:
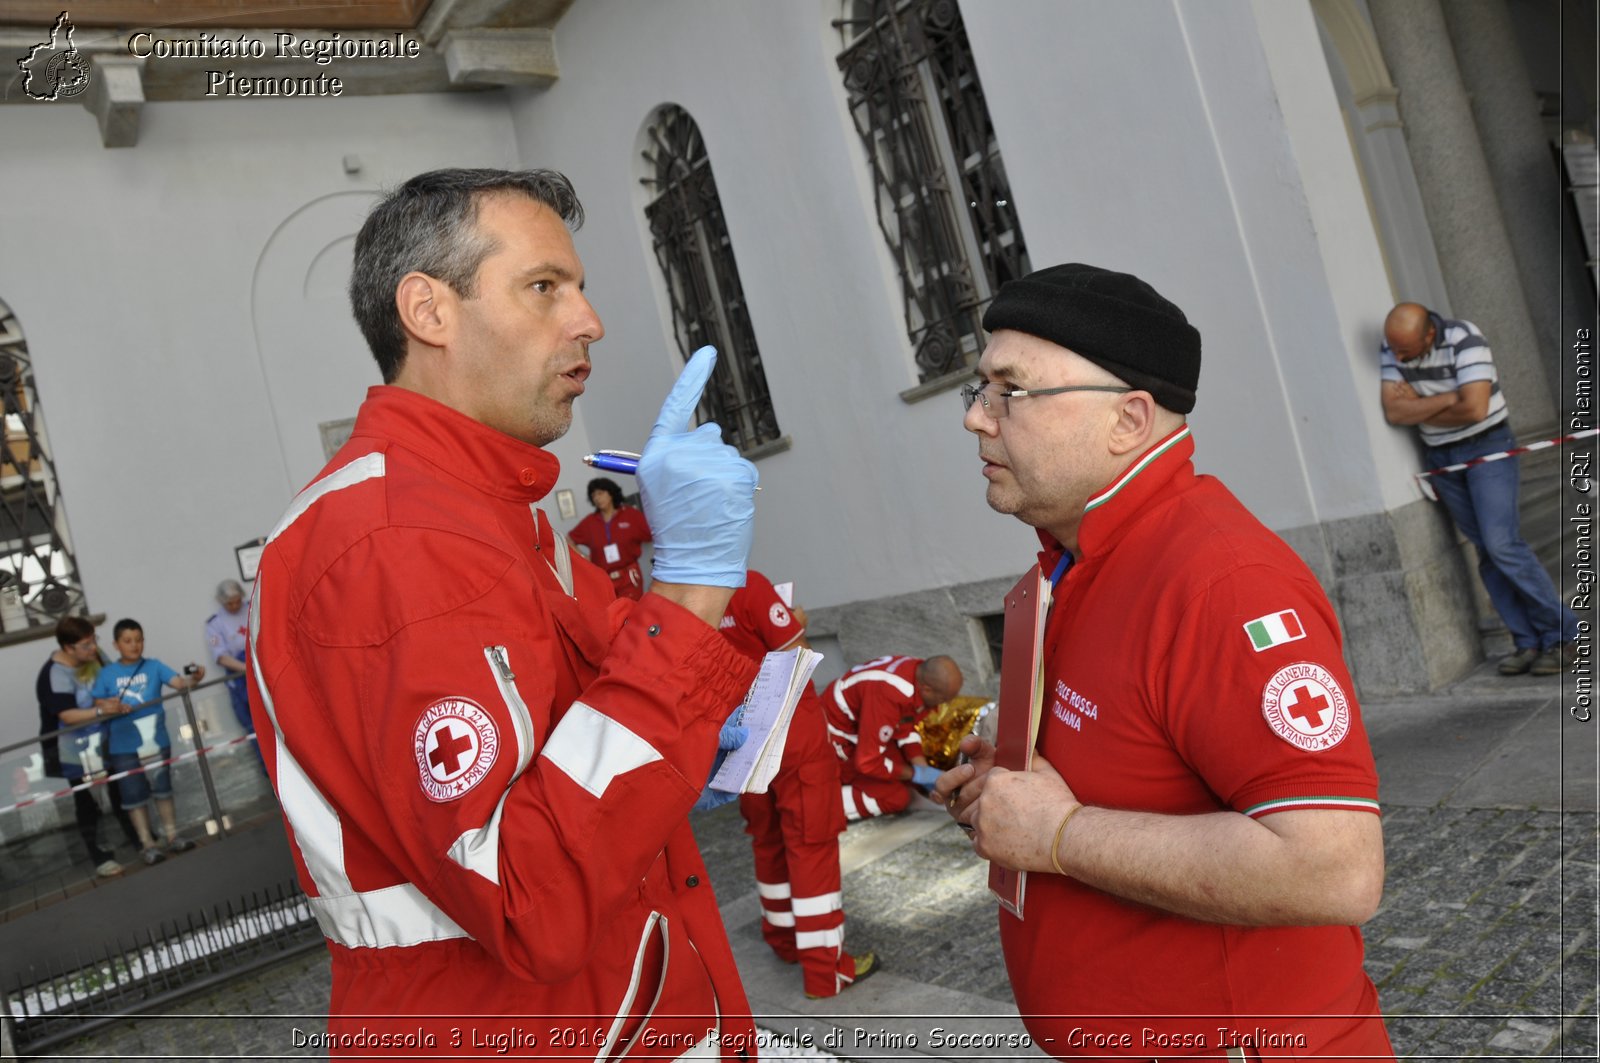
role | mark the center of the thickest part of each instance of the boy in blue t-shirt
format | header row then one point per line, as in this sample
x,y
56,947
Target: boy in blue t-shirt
x,y
135,679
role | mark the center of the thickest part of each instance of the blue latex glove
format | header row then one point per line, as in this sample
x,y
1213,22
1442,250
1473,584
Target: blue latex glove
x,y
698,493
925,775
710,798
731,737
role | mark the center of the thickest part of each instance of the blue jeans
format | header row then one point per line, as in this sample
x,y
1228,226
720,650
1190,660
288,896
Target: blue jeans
x,y
1483,502
138,788
239,695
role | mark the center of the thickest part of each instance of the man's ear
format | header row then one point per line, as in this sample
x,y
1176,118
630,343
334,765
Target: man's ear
x,y
1137,419
424,304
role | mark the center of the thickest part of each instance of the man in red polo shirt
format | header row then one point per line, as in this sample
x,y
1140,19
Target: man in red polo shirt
x,y
1200,828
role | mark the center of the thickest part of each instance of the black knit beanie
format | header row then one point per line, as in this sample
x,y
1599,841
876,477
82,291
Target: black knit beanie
x,y
1115,320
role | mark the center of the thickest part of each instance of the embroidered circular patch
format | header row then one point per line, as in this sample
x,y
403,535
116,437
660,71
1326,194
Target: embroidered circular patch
x,y
455,742
885,733
1305,706
778,615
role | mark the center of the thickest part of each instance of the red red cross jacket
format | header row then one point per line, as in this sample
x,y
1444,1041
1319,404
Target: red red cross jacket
x,y
872,716
484,763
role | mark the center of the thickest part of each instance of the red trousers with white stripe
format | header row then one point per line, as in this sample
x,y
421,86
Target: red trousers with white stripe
x,y
863,797
794,829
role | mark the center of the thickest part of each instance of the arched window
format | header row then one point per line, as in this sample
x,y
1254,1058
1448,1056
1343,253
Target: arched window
x,y
944,203
690,239
38,574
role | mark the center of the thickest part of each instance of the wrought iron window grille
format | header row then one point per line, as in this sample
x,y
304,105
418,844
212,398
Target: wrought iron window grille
x,y
690,238
944,204
38,573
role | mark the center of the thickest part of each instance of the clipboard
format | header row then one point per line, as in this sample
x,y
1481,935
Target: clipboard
x,y
1020,705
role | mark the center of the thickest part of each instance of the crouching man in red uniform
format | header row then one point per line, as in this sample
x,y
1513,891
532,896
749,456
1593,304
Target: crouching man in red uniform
x,y
873,711
794,827
1201,829
485,762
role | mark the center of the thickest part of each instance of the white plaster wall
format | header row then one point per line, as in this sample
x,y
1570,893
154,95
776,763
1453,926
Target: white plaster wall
x,y
1144,135
876,497
182,301
1373,453
182,298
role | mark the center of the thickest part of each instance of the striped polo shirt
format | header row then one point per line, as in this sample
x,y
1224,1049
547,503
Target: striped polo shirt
x,y
1460,356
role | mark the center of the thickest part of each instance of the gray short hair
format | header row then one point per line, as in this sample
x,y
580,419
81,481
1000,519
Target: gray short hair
x,y
228,588
429,225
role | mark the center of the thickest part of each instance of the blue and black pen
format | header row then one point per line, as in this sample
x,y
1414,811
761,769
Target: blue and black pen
x,y
616,461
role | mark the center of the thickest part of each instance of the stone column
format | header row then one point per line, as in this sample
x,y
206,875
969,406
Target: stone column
x,y
1458,194
1527,182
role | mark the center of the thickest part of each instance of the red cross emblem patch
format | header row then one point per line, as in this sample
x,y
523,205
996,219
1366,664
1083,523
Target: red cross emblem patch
x,y
456,743
1305,706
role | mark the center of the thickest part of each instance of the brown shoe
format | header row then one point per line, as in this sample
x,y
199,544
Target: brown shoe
x,y
1555,660
1518,663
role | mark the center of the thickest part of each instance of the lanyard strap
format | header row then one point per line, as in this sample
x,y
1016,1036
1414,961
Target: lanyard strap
x,y
1061,568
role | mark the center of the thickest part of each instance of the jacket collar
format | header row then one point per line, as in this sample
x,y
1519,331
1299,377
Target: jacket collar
x,y
484,457
1163,469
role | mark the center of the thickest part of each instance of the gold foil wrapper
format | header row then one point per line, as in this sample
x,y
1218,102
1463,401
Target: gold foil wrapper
x,y
944,726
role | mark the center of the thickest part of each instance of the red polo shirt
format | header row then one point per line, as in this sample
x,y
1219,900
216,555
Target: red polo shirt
x,y
1192,665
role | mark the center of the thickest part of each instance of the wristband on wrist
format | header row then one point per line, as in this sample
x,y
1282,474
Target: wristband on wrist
x,y
1055,861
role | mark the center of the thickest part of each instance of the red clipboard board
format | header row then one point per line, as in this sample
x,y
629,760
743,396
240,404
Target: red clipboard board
x,y
1021,702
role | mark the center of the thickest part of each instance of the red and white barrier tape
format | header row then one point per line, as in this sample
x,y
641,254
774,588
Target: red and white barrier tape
x,y
92,783
1543,444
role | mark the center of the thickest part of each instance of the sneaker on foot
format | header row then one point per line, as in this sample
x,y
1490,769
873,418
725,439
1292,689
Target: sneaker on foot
x,y
152,856
108,868
179,844
1555,660
851,970
1518,663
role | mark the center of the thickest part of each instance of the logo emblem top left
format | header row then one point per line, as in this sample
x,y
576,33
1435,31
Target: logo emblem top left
x,y
55,69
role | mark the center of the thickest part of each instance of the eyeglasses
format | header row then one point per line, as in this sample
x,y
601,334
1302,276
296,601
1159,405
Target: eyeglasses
x,y
971,393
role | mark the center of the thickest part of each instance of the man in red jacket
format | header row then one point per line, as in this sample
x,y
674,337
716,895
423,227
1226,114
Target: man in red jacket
x,y
873,711
486,763
794,827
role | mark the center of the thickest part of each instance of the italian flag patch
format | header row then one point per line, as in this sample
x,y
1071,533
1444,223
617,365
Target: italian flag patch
x,y
1274,629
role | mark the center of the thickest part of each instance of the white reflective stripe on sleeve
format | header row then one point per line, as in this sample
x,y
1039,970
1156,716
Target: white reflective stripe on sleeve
x,y
394,917
778,918
844,706
819,939
846,735
908,739
312,818
363,468
876,675
592,748
777,891
478,849
818,905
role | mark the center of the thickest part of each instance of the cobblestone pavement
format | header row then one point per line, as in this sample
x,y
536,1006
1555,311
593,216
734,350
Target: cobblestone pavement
x,y
1485,946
